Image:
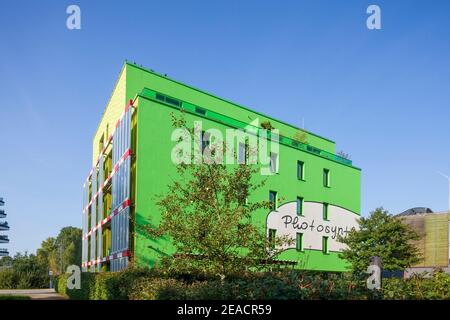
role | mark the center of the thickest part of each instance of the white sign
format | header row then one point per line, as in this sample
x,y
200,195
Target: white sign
x,y
286,221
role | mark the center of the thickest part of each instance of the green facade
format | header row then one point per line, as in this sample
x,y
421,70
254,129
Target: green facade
x,y
153,168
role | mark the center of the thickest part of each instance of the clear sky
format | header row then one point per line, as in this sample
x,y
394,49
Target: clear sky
x,y
382,95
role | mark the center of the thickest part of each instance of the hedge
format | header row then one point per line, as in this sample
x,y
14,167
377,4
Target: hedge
x,y
144,284
84,293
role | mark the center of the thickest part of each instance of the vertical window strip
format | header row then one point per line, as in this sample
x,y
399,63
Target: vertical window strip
x,y
299,242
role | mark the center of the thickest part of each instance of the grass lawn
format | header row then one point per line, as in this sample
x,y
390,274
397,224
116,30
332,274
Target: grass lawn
x,y
13,297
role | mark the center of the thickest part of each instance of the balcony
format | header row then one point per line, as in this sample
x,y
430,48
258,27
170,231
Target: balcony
x,y
2,214
4,226
4,252
4,239
2,202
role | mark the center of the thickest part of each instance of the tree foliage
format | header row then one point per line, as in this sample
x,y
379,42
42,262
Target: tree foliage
x,y
383,235
31,270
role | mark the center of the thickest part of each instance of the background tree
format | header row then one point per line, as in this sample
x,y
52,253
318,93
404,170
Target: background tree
x,y
46,254
67,248
383,235
31,270
206,214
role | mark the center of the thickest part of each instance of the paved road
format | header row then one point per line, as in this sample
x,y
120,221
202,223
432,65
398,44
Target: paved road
x,y
35,294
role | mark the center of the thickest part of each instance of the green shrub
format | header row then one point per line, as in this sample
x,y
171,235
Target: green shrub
x,y
436,287
158,289
145,284
86,286
7,279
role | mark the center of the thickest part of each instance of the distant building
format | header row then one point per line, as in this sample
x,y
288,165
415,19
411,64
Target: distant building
x,y
434,231
3,227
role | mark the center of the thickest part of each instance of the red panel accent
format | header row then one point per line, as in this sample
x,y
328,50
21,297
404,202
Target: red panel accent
x,y
126,203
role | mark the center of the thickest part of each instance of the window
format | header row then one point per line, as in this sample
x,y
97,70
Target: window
x,y
273,162
299,206
272,236
200,111
205,140
300,170
325,244
173,102
299,242
241,153
168,100
273,200
326,177
325,211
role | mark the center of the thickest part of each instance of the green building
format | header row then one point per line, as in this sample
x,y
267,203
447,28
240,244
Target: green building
x,y
316,193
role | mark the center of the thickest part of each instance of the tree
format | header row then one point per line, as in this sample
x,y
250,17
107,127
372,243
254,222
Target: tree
x,y
67,248
383,235
206,214
46,254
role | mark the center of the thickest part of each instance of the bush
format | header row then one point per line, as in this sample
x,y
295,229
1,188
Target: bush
x,y
84,293
436,287
253,286
158,289
7,279
145,284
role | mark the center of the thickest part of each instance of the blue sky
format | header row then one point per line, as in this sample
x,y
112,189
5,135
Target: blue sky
x,y
382,95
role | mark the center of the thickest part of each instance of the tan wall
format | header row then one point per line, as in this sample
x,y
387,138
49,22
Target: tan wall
x,y
436,240
433,230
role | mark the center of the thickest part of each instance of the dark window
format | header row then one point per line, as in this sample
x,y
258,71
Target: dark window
x,y
205,140
272,236
299,242
160,97
299,206
300,170
325,244
325,211
173,101
326,177
273,200
200,111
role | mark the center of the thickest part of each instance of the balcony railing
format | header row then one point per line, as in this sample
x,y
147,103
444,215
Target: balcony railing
x,y
2,202
4,239
2,214
3,252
